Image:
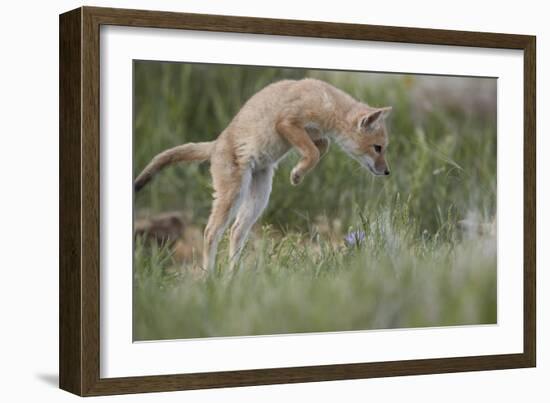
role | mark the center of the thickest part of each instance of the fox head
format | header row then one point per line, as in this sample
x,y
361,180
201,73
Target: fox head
x,y
367,139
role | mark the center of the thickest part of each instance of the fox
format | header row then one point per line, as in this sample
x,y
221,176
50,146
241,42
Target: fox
x,y
306,115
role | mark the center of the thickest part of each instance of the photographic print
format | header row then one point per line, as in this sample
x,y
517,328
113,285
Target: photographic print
x,y
274,200
283,201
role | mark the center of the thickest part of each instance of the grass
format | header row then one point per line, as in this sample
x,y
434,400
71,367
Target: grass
x,y
298,282
414,268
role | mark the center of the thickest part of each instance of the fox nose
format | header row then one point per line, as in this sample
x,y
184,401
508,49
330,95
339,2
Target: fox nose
x,y
387,172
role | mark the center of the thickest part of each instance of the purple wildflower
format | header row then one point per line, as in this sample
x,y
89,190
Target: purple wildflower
x,y
355,238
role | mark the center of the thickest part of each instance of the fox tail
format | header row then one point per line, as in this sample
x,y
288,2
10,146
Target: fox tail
x,y
184,152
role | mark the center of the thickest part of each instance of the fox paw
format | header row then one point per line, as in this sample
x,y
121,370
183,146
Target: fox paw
x,y
296,177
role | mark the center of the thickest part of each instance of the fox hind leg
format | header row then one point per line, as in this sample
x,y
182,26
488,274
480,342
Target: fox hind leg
x,y
253,204
229,187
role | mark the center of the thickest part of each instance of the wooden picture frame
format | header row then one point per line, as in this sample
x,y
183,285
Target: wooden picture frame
x,y
79,346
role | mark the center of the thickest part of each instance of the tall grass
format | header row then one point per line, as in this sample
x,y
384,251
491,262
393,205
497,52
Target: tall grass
x,y
414,266
299,282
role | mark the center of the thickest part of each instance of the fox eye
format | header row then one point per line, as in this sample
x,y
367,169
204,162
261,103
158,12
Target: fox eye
x,y
378,148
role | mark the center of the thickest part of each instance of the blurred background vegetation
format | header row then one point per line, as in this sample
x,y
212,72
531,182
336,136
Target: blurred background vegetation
x,y
442,150
442,154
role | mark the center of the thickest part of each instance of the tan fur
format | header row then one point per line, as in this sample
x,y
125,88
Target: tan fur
x,y
302,114
185,152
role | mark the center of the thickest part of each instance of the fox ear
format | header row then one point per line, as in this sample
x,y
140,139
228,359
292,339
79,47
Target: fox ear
x,y
373,119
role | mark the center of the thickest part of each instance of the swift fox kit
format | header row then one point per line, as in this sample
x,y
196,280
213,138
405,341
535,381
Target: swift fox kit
x,y
304,114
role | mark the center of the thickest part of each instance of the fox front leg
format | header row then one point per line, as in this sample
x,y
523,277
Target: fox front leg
x,y
322,145
298,137
298,172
